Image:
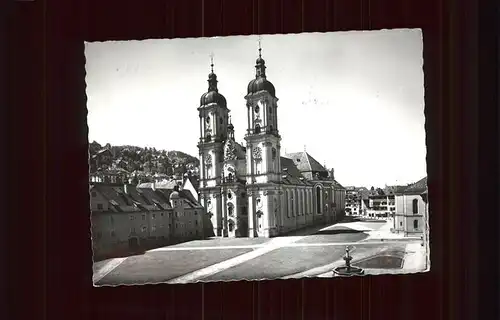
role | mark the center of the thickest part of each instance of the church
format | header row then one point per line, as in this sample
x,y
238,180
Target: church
x,y
252,190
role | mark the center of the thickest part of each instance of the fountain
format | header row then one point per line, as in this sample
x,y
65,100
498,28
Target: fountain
x,y
347,270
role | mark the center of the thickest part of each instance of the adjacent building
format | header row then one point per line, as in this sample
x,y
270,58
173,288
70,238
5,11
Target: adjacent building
x,y
353,201
252,190
126,218
381,205
412,208
375,202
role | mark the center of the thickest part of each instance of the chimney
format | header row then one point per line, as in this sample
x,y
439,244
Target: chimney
x,y
153,185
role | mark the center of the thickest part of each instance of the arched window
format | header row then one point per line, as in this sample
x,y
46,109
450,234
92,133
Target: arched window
x,y
299,202
208,119
415,206
306,202
415,224
208,137
311,201
287,200
302,202
230,177
257,129
296,199
318,199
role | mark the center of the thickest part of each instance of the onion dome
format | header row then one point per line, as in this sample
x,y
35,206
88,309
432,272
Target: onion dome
x,y
212,95
260,83
174,195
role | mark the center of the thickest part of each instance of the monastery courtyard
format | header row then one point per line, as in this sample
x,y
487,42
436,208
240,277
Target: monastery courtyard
x,y
307,253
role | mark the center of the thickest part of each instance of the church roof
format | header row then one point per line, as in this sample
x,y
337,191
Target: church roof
x,y
305,162
338,185
394,189
290,173
418,187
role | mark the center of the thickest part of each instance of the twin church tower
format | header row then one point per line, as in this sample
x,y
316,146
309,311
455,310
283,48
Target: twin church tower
x,y
245,190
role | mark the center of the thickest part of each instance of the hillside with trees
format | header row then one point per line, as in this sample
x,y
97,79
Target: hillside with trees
x,y
147,161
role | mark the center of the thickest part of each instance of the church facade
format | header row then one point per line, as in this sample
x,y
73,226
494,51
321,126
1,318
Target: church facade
x,y
251,190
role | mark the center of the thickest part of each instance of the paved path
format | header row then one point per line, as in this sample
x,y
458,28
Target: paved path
x,y
384,233
301,255
415,258
107,268
216,268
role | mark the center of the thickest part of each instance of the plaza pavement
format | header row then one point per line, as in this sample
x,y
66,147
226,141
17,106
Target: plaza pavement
x,y
308,252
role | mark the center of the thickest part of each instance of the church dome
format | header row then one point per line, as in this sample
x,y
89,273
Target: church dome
x,y
261,84
212,95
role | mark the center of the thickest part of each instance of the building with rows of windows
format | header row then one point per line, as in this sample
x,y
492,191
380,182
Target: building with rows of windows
x,y
251,190
126,218
412,207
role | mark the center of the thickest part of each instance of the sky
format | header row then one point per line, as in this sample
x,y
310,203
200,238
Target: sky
x,y
352,100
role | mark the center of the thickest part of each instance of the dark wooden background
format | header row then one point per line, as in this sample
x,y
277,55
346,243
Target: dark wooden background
x,y
48,240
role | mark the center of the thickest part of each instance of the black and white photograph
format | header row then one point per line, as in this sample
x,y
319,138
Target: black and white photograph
x,y
257,157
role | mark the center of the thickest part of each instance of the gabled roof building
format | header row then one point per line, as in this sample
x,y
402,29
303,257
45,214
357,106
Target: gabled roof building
x,y
412,208
127,218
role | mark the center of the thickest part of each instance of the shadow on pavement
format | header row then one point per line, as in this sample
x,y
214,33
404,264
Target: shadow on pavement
x,y
381,262
338,231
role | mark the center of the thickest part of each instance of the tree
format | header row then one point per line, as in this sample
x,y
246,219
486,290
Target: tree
x,y
94,147
147,166
132,166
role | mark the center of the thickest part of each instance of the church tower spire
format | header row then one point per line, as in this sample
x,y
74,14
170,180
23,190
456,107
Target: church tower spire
x,y
213,115
230,129
260,66
262,151
212,77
